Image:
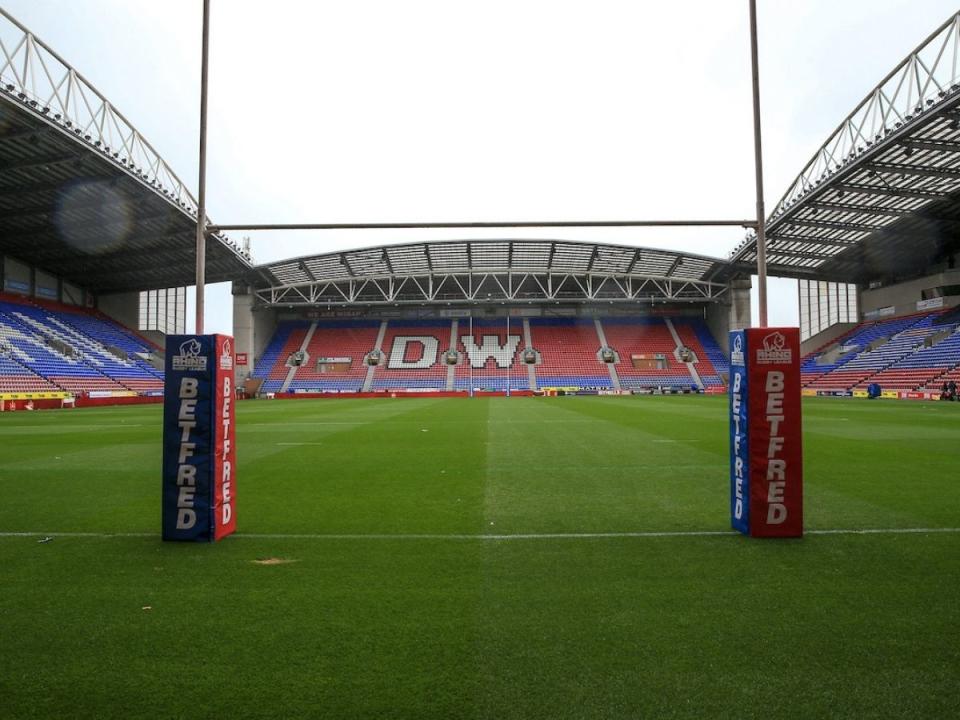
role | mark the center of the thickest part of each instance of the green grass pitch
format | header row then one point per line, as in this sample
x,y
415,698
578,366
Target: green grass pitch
x,y
106,621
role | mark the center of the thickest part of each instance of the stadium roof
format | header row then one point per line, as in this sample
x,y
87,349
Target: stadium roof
x,y
471,270
82,194
881,197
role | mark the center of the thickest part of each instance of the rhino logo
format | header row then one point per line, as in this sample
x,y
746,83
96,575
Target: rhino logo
x,y
775,350
190,348
774,341
190,358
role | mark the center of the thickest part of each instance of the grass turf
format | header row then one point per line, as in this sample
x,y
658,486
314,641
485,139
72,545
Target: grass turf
x,y
677,626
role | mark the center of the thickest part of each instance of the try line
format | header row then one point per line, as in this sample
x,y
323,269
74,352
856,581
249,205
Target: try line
x,y
486,536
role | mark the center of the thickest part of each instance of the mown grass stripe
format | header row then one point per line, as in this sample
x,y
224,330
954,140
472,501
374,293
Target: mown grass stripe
x,y
490,536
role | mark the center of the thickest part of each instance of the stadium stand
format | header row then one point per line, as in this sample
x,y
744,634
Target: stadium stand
x,y
833,370
413,355
493,360
272,367
906,353
71,350
923,367
646,350
568,350
336,340
17,378
937,383
711,364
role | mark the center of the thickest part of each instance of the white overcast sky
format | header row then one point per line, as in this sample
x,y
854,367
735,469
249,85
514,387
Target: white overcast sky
x,y
360,111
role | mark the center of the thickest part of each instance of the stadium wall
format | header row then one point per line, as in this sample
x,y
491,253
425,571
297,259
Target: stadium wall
x,y
17,277
252,329
122,307
823,338
24,280
904,297
732,313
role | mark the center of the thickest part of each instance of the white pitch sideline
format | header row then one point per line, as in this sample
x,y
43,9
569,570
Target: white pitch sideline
x,y
467,536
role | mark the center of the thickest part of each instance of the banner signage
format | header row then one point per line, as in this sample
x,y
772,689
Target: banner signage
x,y
766,457
880,312
34,396
199,453
241,358
931,304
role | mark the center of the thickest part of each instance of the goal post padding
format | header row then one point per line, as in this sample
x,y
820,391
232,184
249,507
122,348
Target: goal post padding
x,y
766,453
199,451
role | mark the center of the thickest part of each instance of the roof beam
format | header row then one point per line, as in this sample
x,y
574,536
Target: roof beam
x,y
938,145
888,191
58,249
108,208
593,258
36,188
812,239
674,265
835,225
865,209
771,252
918,170
818,249
20,134
93,230
346,263
303,267
33,162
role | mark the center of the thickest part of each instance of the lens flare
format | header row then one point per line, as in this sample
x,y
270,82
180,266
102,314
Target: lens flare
x,y
94,217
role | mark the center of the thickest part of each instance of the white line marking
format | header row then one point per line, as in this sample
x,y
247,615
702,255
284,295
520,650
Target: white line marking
x,y
72,428
470,536
308,424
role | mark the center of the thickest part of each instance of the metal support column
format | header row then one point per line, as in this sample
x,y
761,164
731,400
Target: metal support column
x,y
758,160
202,191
